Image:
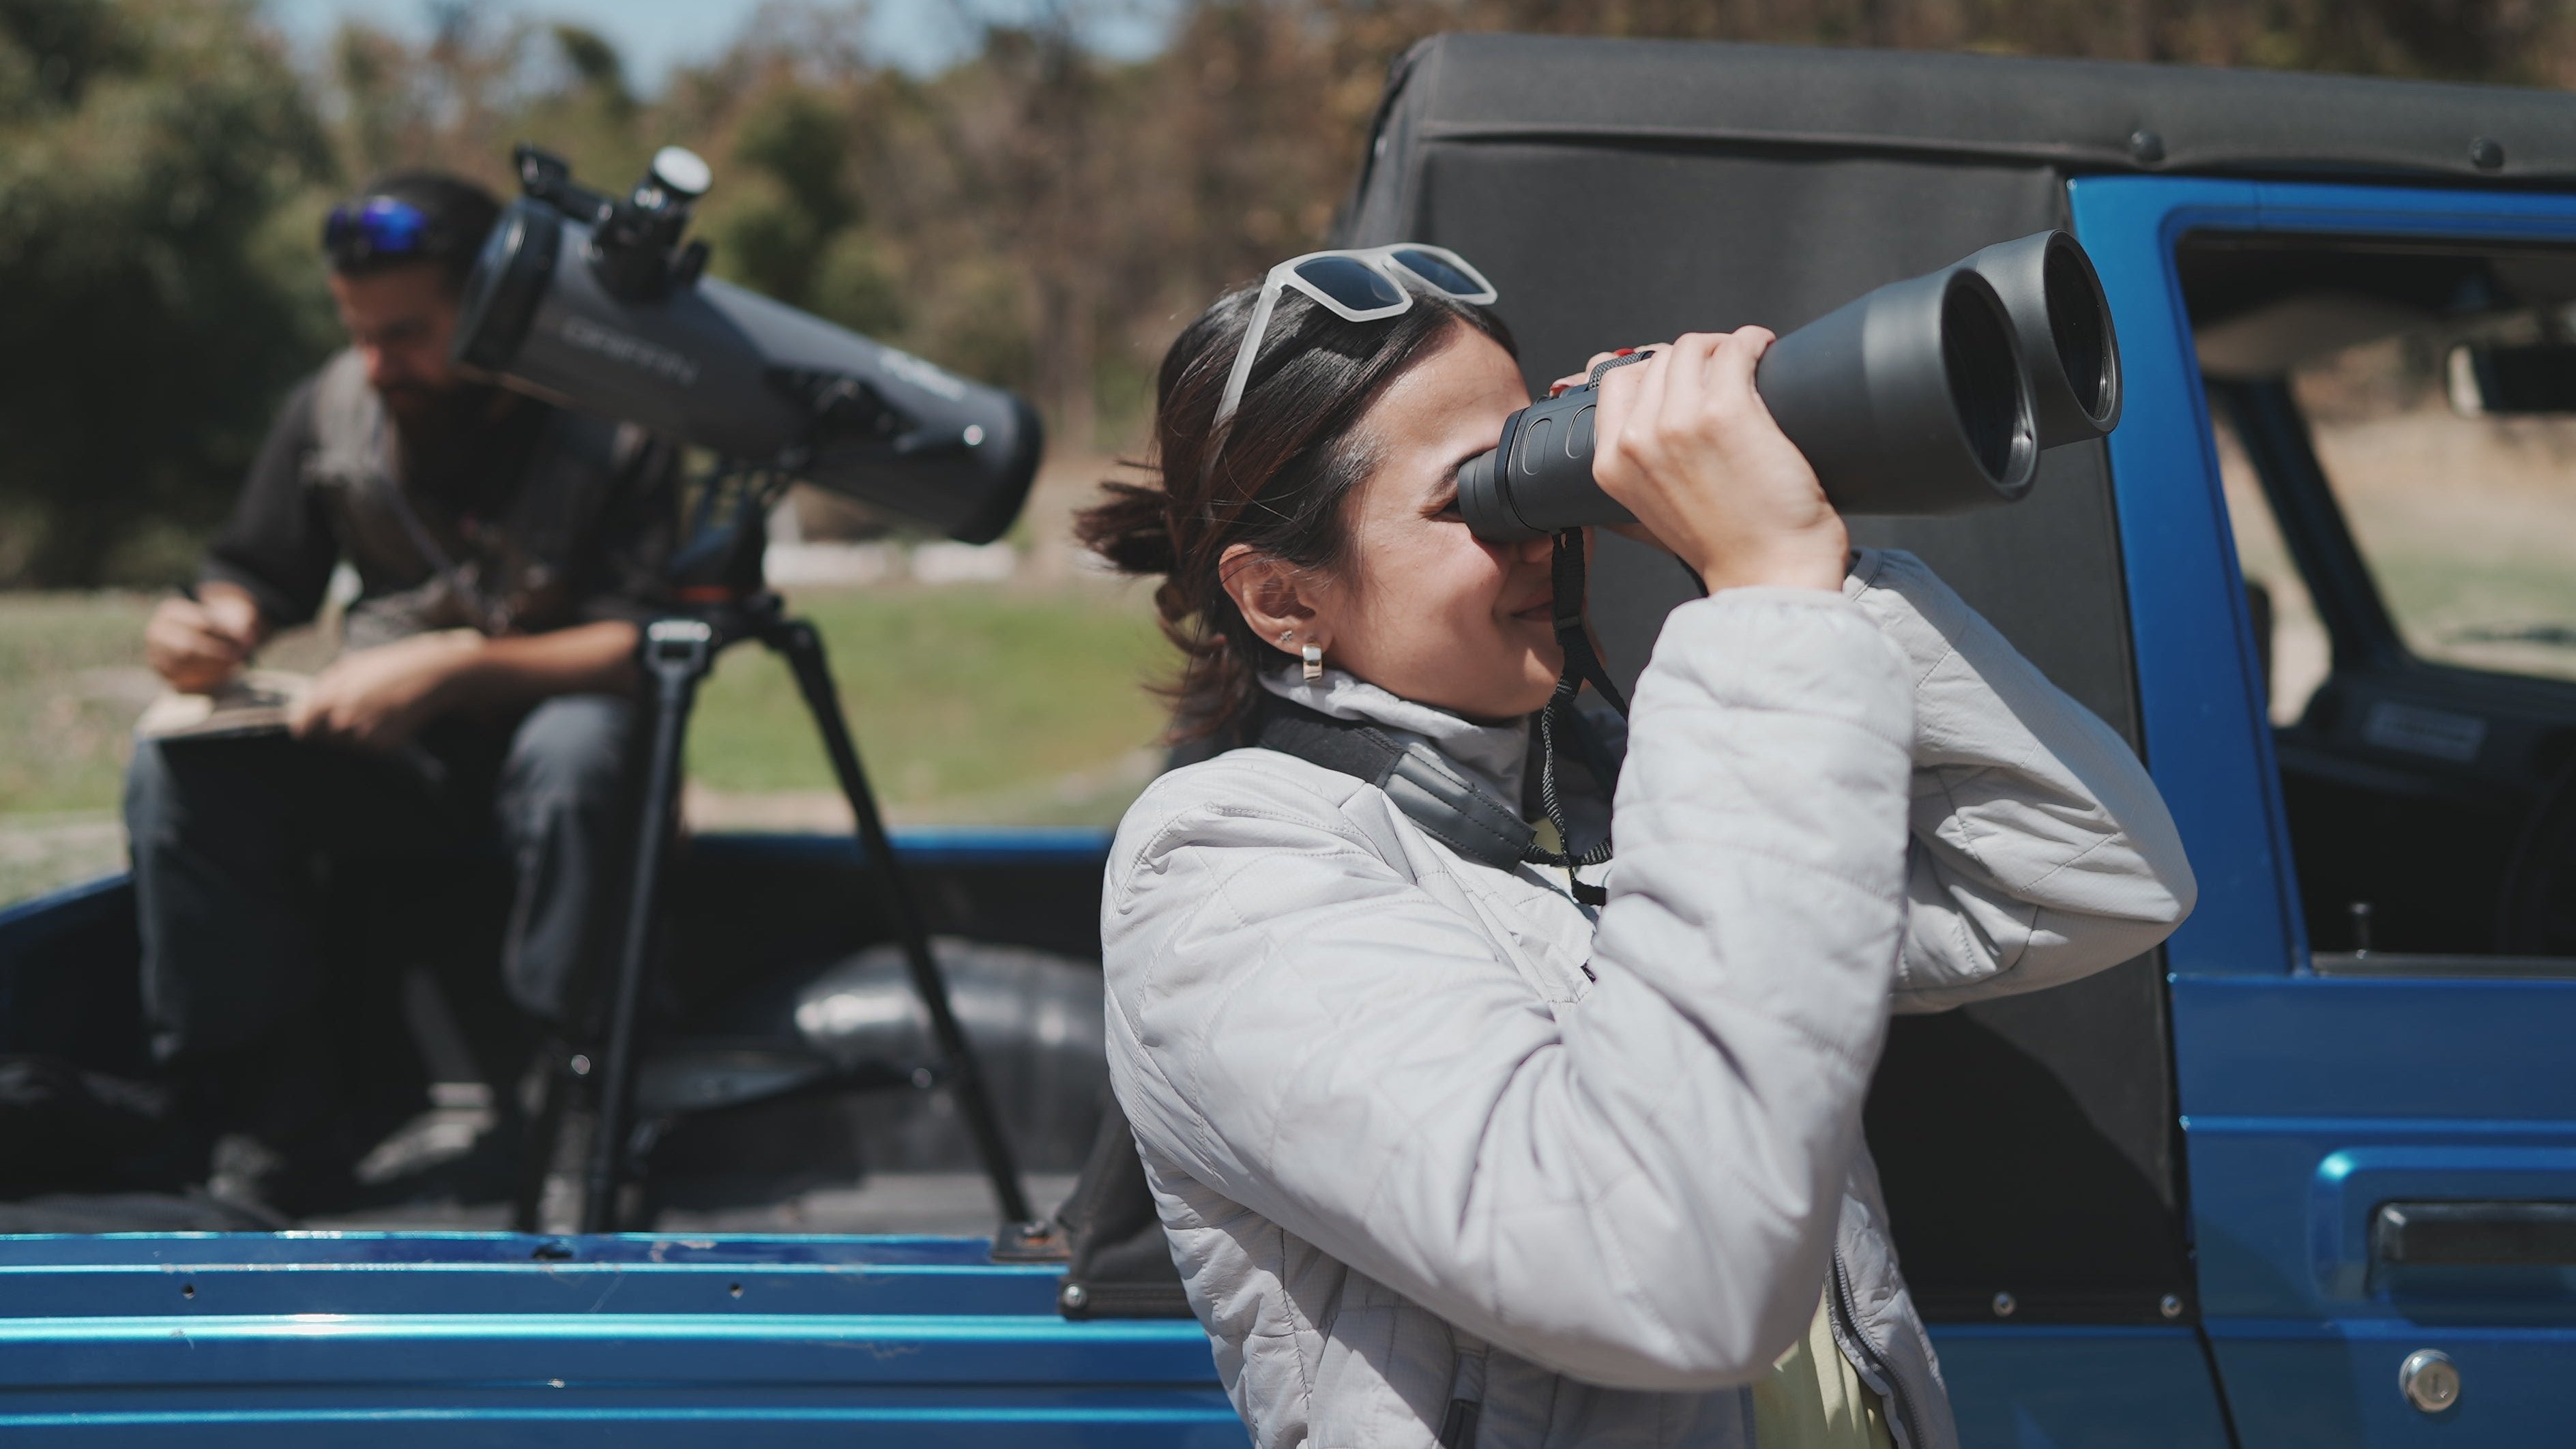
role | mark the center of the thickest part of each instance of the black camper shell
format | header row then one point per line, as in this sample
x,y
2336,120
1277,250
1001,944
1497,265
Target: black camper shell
x,y
1620,192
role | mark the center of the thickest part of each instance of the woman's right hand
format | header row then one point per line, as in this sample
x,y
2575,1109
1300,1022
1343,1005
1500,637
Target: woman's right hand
x,y
1684,442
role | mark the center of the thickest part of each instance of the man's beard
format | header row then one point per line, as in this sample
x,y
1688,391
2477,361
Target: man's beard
x,y
432,415
439,428
415,405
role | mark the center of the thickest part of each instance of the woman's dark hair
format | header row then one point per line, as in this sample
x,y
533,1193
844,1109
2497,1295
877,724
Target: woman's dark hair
x,y
1292,455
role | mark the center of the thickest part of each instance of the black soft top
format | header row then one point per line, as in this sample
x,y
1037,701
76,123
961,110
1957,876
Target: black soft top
x,y
1619,192
2074,115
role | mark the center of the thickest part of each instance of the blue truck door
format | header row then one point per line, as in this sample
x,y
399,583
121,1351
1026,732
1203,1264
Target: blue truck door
x,y
2381,1143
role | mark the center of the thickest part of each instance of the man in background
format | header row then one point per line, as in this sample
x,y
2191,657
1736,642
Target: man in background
x,y
505,552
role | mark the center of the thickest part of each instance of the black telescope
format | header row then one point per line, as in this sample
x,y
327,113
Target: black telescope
x,y
1931,395
594,303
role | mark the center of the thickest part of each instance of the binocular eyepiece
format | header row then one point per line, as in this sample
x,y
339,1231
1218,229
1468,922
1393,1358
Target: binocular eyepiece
x,y
1931,395
594,302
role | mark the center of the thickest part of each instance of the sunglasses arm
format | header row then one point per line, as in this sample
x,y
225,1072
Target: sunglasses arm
x,y
1237,380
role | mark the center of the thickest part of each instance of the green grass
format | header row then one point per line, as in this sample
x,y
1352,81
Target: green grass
x,y
958,694
2451,596
71,682
987,703
2500,628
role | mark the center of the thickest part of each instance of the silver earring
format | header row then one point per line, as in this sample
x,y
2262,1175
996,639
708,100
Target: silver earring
x,y
1313,654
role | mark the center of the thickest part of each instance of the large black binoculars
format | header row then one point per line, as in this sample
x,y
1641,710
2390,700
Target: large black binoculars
x,y
1931,395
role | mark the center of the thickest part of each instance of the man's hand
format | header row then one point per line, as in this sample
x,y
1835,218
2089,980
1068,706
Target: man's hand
x,y
196,644
377,699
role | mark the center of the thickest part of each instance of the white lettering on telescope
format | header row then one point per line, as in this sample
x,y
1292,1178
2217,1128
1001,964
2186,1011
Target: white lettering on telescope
x,y
634,351
921,374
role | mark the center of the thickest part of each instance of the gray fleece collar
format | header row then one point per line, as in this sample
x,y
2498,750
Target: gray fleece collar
x,y
1494,754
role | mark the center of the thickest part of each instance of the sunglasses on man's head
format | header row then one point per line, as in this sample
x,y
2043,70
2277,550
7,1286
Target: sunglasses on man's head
x,y
1361,285
377,227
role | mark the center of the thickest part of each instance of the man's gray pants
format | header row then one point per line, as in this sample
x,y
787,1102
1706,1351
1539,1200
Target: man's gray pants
x,y
226,835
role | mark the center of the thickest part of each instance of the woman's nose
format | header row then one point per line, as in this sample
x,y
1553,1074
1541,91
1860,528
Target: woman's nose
x,y
1536,550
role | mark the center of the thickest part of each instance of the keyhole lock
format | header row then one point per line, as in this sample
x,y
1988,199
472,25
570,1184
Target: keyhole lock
x,y
2430,1381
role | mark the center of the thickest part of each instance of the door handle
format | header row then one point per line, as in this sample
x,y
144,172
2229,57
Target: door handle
x,y
2475,1234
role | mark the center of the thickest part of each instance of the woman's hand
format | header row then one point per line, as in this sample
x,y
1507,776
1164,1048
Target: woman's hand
x,y
1684,443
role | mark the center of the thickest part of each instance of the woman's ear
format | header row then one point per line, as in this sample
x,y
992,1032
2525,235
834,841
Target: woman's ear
x,y
1277,597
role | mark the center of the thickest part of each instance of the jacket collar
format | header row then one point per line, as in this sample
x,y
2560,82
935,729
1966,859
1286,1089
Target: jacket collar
x,y
1494,754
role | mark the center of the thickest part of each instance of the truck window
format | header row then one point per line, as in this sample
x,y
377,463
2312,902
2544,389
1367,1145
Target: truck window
x,y
2464,516
2287,632
2396,434
2467,520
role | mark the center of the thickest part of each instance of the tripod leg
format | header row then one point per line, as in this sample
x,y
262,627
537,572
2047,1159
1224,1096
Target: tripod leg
x,y
544,1133
803,648
676,655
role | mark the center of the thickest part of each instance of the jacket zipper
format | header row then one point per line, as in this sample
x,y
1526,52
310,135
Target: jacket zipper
x,y
1466,1393
1873,1370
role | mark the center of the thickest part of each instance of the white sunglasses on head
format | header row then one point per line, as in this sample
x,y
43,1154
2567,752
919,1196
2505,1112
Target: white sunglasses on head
x,y
1360,285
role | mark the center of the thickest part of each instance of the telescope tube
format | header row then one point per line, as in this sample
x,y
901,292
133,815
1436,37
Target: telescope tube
x,y
758,382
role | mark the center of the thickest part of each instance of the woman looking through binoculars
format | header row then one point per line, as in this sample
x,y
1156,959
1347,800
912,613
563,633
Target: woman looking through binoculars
x,y
1445,1153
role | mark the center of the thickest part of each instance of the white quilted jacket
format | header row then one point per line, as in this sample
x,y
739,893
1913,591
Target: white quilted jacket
x,y
1444,1158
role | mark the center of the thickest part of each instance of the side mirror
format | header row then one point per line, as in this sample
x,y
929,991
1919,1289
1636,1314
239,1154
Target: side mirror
x,y
2537,377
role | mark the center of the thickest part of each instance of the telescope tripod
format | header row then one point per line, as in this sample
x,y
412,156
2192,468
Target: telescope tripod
x,y
675,656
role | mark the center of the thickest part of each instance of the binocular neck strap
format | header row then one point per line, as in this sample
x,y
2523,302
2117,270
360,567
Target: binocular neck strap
x,y
1582,666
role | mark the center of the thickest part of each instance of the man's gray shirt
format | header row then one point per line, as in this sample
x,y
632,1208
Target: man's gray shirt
x,y
500,513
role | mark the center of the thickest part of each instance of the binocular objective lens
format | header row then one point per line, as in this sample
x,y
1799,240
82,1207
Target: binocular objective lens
x,y
2075,317
1985,384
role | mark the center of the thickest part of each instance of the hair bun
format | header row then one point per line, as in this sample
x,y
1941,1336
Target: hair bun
x,y
1131,529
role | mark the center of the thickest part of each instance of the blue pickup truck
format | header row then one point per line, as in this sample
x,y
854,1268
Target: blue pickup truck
x,y
2304,1176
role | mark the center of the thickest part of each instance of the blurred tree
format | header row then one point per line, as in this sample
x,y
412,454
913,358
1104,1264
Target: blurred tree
x,y
1028,165
580,105
450,102
600,70
789,194
1037,214
148,152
